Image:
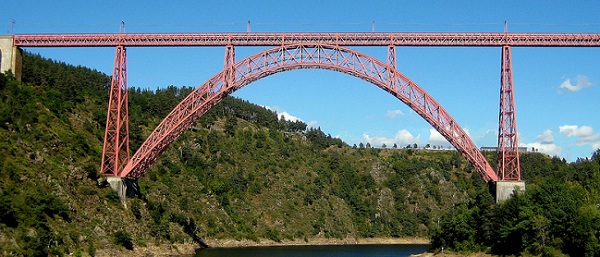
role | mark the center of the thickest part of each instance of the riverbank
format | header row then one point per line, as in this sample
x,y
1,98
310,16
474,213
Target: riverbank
x,y
176,249
189,248
428,254
314,241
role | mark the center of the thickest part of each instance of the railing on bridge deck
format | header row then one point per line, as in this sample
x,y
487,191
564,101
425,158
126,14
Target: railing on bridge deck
x,y
331,38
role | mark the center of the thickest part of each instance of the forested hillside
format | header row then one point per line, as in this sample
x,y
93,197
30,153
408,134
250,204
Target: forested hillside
x,y
238,173
559,214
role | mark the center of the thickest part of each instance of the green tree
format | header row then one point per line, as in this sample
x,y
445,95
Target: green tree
x,y
456,231
124,239
230,126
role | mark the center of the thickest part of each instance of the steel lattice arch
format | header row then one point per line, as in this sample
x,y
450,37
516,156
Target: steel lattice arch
x,y
236,75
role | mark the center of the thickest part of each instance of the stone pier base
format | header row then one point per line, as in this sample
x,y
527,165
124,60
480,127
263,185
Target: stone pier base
x,y
117,184
11,57
505,189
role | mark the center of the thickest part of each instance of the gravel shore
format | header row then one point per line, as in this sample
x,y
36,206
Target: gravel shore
x,y
185,249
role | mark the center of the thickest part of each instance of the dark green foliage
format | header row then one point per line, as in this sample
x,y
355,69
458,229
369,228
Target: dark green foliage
x,y
456,230
292,126
66,85
91,249
112,196
322,141
32,209
273,234
557,214
124,239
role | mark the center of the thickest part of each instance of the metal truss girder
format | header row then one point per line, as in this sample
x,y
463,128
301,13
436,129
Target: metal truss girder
x,y
315,38
299,56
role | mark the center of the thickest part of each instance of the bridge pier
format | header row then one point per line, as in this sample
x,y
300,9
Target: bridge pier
x,y
11,57
124,187
117,184
506,188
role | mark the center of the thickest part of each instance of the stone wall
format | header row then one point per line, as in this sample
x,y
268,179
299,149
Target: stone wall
x,y
505,189
11,57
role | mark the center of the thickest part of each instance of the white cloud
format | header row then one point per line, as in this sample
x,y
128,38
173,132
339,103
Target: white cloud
x,y
287,116
582,82
313,124
402,139
392,114
585,135
576,131
545,138
545,144
281,113
435,138
549,149
487,133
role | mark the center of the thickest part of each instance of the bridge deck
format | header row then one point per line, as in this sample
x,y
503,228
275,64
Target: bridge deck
x,y
332,38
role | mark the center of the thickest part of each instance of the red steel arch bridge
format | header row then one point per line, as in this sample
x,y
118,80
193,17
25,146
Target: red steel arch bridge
x,y
292,51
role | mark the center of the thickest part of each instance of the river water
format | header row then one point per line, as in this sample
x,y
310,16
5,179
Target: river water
x,y
316,251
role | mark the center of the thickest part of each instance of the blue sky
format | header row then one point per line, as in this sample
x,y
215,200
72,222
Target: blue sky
x,y
556,88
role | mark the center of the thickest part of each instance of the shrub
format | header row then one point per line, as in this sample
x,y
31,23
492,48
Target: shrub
x,y
123,238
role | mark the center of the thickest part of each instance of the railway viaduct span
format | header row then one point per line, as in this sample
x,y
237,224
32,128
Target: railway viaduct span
x,y
290,51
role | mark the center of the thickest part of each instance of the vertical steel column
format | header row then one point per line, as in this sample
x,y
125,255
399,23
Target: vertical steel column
x,y
228,64
508,142
392,55
392,63
115,153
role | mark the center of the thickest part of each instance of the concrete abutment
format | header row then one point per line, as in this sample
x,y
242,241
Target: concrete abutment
x,y
505,189
11,57
117,184
124,187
